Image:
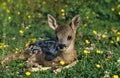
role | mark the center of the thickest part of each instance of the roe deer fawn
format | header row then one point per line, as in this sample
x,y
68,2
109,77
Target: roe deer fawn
x,y
65,36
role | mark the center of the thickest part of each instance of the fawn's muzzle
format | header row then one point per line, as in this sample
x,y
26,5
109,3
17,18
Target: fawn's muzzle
x,y
62,46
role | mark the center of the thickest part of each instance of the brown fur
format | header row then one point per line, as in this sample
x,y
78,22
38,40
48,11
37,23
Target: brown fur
x,y
67,54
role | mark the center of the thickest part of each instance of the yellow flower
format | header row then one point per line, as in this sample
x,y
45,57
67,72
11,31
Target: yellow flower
x,y
3,45
44,2
115,76
27,44
9,17
85,25
4,4
87,42
98,51
8,11
98,66
62,10
8,0
112,9
118,33
87,17
86,51
111,41
88,12
118,38
33,40
62,62
104,36
29,16
16,50
21,31
95,32
27,73
106,59
118,13
118,6
17,5
114,30
63,14
18,12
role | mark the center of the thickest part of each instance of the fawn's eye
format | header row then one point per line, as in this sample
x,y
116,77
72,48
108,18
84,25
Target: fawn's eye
x,y
69,38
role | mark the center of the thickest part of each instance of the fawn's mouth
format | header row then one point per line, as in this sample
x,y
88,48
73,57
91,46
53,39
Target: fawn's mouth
x,y
63,49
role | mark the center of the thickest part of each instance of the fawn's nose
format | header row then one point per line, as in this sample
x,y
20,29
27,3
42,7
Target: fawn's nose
x,y
62,46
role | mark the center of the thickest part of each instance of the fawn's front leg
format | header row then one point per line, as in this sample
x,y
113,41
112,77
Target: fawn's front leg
x,y
56,71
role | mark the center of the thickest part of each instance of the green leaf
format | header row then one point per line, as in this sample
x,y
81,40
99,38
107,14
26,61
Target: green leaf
x,y
1,9
107,1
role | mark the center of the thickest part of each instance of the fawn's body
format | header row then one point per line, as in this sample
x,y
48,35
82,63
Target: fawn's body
x,y
65,37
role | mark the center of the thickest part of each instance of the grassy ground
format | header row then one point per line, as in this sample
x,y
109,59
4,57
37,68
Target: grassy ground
x,y
98,48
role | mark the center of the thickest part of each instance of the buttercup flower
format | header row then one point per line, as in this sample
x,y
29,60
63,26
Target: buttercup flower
x,y
86,51
95,32
117,38
118,13
62,62
21,31
104,36
118,33
98,51
27,73
98,66
8,11
18,12
3,4
17,5
27,44
87,42
16,50
44,2
85,25
118,6
3,45
9,17
111,41
63,14
62,10
114,30
115,76
107,59
8,0
88,12
29,16
113,9
87,17
33,40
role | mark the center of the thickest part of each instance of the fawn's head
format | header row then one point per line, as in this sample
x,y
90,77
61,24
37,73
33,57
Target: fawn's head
x,y
65,34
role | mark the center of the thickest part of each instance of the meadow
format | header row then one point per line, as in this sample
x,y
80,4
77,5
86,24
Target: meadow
x,y
97,39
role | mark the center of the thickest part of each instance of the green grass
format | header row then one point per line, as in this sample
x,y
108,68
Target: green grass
x,y
95,16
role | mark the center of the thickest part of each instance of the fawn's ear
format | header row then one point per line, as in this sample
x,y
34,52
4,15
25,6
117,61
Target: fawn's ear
x,y
75,22
52,22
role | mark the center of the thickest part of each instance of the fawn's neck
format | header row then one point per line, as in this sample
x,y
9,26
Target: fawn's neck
x,y
70,48
70,54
